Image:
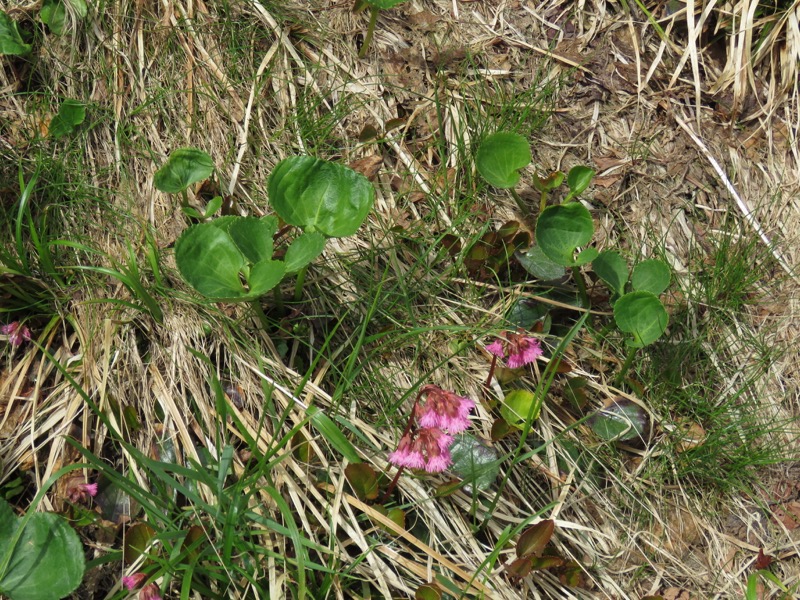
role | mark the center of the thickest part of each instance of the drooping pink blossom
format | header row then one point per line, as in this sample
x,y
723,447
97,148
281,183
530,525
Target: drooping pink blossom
x,y
426,448
444,410
516,349
81,492
16,333
150,592
131,582
406,454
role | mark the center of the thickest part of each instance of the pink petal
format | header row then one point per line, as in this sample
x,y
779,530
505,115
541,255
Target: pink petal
x,y
496,348
150,592
90,488
439,463
131,582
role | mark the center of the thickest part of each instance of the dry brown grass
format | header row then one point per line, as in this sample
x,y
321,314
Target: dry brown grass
x,y
652,114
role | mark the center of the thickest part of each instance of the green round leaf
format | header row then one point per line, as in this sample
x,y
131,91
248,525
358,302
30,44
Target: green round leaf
x,y
579,179
10,40
473,461
253,237
642,315
519,407
561,229
53,14
210,262
651,276
264,276
620,420
536,262
303,250
501,156
318,195
612,269
47,561
184,167
71,113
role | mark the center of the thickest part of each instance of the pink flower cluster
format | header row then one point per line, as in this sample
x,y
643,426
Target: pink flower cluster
x,y
516,349
16,333
148,592
428,445
81,492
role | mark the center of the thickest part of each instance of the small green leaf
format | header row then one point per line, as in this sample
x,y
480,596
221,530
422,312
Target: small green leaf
x,y
303,250
536,262
264,275
71,114
612,269
318,195
535,538
619,421
579,179
363,479
549,183
561,229
53,14
473,461
210,262
213,206
253,237
11,42
642,315
79,7
47,560
520,407
136,541
184,167
501,156
651,276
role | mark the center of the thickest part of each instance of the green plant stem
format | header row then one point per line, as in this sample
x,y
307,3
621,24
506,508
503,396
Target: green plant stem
x,y
262,317
578,277
625,366
373,18
185,196
525,212
298,286
542,201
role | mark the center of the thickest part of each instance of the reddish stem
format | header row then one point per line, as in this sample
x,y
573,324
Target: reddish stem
x,y
411,421
491,374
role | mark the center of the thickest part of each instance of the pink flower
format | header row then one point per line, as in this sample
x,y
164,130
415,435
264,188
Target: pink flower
x,y
150,592
444,410
131,582
81,492
516,349
16,333
426,448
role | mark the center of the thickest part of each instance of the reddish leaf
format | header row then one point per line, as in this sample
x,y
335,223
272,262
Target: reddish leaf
x,y
363,479
500,429
763,561
534,539
520,568
572,575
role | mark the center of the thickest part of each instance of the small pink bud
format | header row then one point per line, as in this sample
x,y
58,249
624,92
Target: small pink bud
x,y
16,333
131,582
150,592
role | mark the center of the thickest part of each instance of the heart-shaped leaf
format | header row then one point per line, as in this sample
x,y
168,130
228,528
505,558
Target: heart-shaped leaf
x,y
520,407
651,276
184,167
53,14
501,156
264,275
537,263
561,229
535,538
11,41
210,262
253,238
318,195
579,179
71,113
303,250
46,561
612,269
620,420
363,479
473,461
642,315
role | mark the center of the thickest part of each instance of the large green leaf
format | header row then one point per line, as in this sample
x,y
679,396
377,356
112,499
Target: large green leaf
x,y
501,156
642,315
612,269
210,262
46,562
184,167
561,229
10,40
474,461
536,262
318,195
71,113
253,237
651,276
303,250
264,276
